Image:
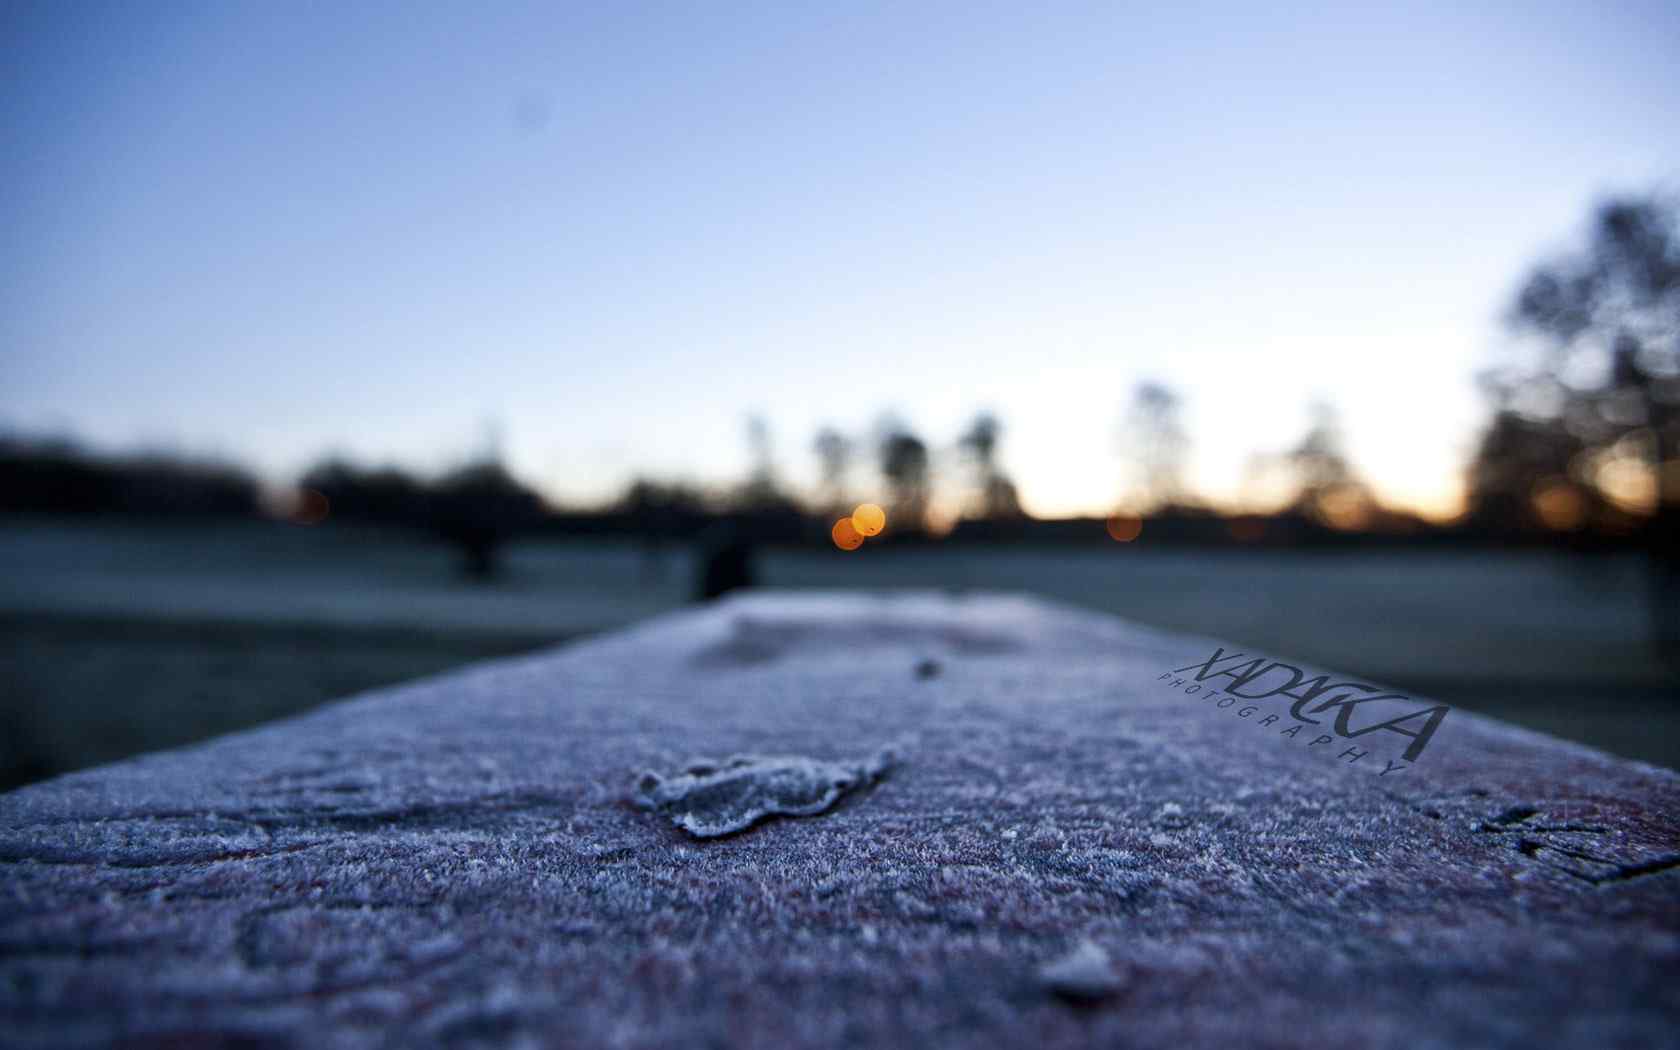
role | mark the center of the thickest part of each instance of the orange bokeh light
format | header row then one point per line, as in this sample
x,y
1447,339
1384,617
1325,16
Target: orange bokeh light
x,y
845,536
1559,504
869,519
1124,528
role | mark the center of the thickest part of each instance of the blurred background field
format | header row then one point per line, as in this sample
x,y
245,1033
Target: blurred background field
x,y
120,637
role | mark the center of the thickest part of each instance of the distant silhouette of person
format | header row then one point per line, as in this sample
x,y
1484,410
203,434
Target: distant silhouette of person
x,y
726,562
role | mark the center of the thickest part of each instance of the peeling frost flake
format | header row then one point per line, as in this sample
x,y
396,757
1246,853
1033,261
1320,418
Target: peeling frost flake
x,y
708,799
1084,974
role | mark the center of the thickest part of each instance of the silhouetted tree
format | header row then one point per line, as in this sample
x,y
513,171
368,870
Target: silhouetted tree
x,y
57,477
661,508
904,465
1603,401
762,510
997,497
384,496
658,514
1516,457
1156,447
761,490
1327,489
834,464
478,508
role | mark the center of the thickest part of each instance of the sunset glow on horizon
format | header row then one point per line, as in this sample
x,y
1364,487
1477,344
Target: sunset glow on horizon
x,y
612,238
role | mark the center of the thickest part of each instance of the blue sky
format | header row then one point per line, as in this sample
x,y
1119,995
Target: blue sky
x,y
273,231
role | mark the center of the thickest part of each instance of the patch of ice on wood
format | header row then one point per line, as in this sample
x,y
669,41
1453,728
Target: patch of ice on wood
x,y
708,799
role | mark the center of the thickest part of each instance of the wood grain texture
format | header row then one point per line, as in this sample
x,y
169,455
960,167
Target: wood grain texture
x,y
459,861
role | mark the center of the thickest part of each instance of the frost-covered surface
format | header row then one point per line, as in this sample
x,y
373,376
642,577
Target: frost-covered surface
x,y
464,861
712,798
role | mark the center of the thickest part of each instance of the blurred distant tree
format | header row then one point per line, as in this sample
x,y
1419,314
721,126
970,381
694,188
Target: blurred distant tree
x,y
1156,447
761,490
478,508
53,476
165,484
762,510
834,463
1517,458
384,496
1607,318
904,465
1596,421
1327,489
652,505
997,496
657,514
56,477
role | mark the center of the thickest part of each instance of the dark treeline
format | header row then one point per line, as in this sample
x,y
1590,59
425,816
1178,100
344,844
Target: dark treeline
x,y
1582,449
479,507
54,476
476,509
